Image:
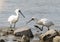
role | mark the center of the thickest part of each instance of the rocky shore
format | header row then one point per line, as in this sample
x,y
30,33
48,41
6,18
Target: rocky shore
x,y
24,34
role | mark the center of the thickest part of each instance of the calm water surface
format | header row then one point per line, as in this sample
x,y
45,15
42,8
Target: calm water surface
x,y
38,8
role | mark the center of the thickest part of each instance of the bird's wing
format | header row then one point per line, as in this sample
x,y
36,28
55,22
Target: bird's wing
x,y
49,23
42,21
12,17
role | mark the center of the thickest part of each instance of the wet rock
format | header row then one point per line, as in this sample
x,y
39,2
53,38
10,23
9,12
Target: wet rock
x,y
2,40
56,39
23,31
25,38
48,36
2,34
5,31
11,38
10,32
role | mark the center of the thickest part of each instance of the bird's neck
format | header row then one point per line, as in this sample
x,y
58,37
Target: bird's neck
x,y
36,20
17,14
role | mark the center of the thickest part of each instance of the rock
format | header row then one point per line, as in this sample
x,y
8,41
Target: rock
x,y
11,38
25,38
48,36
5,31
2,40
10,32
56,39
35,41
2,34
23,31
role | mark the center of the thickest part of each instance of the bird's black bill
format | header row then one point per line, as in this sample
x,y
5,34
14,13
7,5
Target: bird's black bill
x,y
29,21
21,13
38,27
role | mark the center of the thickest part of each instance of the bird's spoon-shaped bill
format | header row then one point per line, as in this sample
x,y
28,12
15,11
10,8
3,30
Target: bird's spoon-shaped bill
x,y
22,14
29,21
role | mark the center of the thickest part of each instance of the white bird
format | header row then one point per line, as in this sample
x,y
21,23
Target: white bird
x,y
14,18
43,22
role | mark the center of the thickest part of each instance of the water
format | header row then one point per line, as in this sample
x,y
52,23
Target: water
x,y
38,8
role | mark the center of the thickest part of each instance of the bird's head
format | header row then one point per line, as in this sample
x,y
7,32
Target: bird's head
x,y
33,18
19,11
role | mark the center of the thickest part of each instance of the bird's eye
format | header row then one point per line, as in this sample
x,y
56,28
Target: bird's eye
x,y
32,18
19,11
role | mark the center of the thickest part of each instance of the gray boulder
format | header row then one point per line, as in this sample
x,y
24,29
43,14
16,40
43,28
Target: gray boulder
x,y
23,31
48,36
25,39
56,39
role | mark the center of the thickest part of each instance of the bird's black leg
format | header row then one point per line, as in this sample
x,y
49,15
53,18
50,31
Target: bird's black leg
x,y
10,25
42,28
37,27
48,28
14,25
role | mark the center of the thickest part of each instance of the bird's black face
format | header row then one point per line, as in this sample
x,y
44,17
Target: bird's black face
x,y
21,13
32,19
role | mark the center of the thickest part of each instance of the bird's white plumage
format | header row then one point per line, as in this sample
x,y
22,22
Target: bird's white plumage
x,y
14,18
43,22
